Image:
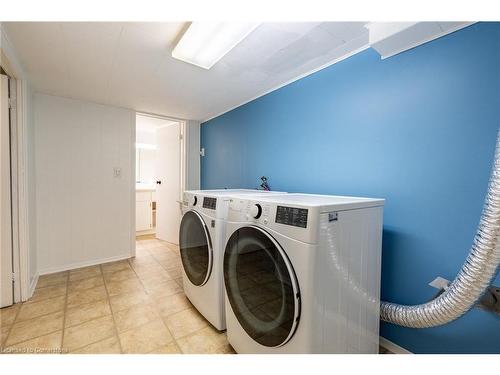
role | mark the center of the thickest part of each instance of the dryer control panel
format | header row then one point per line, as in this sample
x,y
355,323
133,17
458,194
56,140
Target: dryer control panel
x,y
294,221
210,203
294,216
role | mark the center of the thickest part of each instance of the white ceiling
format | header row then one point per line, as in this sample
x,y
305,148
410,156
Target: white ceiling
x,y
130,64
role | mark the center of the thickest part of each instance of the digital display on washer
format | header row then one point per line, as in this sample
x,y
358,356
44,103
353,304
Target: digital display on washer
x,y
210,203
296,217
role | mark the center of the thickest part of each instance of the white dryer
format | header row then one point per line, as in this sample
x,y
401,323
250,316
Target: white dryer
x,y
201,241
302,274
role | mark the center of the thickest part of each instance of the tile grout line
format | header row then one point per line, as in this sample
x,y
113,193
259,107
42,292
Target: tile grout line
x,y
43,315
155,304
162,319
140,279
194,333
45,299
137,275
161,265
64,311
35,317
165,318
12,325
173,337
5,340
27,320
168,329
79,304
96,318
112,313
85,322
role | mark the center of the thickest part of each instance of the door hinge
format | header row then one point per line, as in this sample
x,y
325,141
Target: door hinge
x,y
181,137
13,277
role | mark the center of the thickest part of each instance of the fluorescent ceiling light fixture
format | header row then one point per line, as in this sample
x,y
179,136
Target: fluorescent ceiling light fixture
x,y
145,146
205,43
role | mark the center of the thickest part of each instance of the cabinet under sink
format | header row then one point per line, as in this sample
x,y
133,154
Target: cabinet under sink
x,y
145,211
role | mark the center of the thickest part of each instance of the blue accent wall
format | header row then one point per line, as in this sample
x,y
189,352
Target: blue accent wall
x,y
417,129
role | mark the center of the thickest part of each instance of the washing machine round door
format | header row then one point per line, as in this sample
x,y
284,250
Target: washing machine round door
x,y
261,286
195,248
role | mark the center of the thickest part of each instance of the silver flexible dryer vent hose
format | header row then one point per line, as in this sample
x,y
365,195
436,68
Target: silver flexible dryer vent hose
x,y
477,273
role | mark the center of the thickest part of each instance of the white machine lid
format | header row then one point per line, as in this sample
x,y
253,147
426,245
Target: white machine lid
x,y
326,203
233,192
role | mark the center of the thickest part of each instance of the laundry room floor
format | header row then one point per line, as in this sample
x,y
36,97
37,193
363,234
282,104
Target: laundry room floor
x,y
130,306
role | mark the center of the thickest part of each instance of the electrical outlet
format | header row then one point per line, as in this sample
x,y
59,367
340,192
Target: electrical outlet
x,y
117,172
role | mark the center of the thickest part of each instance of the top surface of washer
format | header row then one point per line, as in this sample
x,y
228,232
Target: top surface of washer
x,y
233,192
324,202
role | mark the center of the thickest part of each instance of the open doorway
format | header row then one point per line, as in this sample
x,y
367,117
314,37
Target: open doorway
x,y
159,176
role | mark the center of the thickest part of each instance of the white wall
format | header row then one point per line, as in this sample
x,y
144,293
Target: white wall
x,y
85,215
146,158
145,136
146,166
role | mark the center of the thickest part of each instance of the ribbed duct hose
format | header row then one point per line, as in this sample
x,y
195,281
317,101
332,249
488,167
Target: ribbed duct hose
x,y
477,273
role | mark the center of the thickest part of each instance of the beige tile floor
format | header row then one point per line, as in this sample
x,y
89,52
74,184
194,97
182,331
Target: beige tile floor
x,y
129,306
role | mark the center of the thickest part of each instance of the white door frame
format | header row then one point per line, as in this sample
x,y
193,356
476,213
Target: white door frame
x,y
22,288
6,235
27,288
183,154
190,151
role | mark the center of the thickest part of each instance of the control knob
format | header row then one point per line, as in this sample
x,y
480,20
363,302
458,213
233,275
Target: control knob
x,y
195,200
256,211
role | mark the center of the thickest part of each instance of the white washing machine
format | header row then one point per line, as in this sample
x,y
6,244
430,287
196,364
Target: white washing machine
x,y
302,274
201,241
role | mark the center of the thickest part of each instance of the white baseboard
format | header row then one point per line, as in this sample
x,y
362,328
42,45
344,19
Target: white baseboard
x,y
395,348
145,232
33,285
73,266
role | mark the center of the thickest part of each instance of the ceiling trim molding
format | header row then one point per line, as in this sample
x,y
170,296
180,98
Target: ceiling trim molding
x,y
308,73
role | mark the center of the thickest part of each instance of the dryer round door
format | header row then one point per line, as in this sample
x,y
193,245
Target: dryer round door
x,y
261,286
195,248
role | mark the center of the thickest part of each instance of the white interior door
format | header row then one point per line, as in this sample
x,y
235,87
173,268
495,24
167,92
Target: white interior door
x,y
168,172
6,292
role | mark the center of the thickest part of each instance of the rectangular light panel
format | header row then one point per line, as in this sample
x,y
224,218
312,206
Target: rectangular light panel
x,y
205,43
